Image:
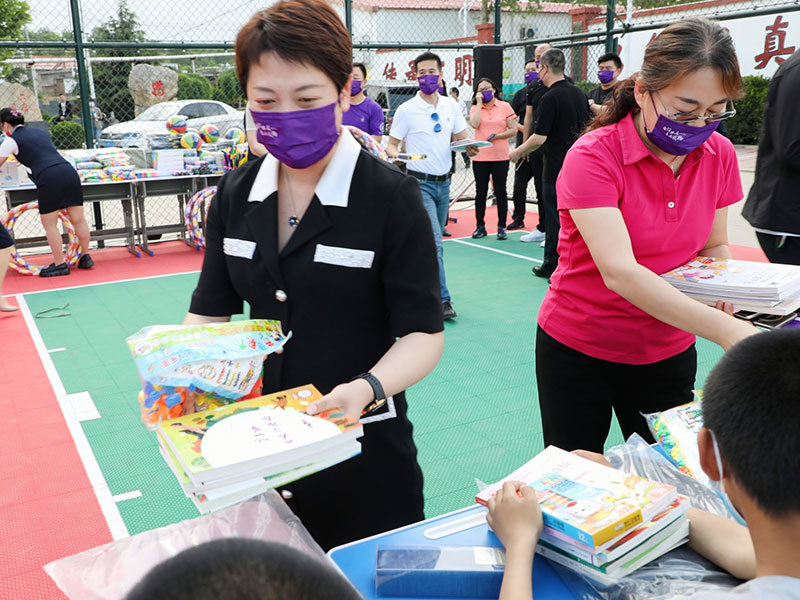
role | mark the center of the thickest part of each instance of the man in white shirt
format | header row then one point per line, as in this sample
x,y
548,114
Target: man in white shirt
x,y
428,123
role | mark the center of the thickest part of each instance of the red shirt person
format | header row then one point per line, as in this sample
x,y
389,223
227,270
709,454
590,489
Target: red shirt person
x,y
646,190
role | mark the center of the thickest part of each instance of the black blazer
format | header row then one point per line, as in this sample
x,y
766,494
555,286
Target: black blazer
x,y
343,319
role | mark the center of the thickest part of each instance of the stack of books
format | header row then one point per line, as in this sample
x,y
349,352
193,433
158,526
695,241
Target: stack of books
x,y
599,521
762,288
234,452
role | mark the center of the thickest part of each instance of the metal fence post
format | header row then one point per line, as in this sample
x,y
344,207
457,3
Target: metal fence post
x,y
611,6
348,16
497,7
88,123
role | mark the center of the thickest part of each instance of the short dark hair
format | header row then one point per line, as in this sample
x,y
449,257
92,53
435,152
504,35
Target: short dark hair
x,y
613,56
296,30
751,403
428,56
529,61
12,116
362,67
242,568
455,89
554,60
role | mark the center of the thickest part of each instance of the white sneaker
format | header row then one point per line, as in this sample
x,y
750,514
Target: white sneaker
x,y
533,236
542,244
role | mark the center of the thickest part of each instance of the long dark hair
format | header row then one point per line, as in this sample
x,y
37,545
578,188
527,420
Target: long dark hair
x,y
681,49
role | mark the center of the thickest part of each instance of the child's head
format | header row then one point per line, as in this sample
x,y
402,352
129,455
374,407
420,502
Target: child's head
x,y
751,405
242,569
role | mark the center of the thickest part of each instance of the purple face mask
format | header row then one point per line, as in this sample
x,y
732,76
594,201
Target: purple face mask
x,y
605,75
355,87
487,95
676,138
531,76
298,138
429,84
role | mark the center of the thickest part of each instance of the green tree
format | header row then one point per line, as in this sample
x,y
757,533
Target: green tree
x,y
111,78
14,15
745,127
228,89
193,87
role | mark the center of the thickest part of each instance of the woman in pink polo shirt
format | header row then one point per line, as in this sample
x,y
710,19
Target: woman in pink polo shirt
x,y
494,121
644,191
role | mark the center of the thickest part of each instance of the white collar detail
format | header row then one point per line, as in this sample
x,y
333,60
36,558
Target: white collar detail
x,y
333,188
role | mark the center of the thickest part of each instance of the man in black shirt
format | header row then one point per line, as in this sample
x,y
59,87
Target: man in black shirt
x,y
609,67
561,115
773,205
523,174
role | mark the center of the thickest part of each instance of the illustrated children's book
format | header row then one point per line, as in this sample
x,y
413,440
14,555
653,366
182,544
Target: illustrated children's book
x,y
260,437
587,501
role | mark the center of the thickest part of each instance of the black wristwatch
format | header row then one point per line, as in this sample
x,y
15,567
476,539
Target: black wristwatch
x,y
377,390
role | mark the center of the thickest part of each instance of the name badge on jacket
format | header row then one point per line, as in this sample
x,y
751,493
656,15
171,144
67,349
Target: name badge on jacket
x,y
240,248
344,257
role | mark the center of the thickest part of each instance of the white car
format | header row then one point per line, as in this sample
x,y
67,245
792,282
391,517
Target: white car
x,y
154,119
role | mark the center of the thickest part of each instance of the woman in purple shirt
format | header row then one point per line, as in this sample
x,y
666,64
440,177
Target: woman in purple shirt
x,y
364,113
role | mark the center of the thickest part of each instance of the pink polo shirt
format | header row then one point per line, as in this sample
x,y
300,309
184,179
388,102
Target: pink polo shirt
x,y
494,119
669,221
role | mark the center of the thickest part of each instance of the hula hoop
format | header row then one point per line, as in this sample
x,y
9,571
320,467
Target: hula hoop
x,y
22,266
368,143
192,213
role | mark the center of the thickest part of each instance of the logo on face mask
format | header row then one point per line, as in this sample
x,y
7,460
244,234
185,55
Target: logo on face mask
x,y
267,131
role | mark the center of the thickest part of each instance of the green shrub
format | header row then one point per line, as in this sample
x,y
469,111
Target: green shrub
x,y
586,86
67,134
193,87
745,127
228,90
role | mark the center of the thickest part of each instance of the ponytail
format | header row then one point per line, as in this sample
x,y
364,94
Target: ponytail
x,y
618,106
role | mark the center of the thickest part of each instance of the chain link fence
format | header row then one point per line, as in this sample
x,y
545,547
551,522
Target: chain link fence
x,y
141,62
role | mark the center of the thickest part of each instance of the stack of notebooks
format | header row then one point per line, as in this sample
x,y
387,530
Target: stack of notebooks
x,y
764,288
599,521
231,453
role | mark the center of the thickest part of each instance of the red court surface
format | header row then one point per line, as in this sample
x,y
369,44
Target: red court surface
x,y
49,506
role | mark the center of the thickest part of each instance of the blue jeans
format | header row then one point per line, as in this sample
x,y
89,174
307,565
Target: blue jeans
x,y
436,199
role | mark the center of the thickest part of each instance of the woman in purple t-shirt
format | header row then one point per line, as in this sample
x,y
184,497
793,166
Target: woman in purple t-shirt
x,y
364,113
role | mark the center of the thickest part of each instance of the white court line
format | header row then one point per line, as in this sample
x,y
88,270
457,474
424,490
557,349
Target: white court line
x,y
461,241
75,287
127,496
113,517
55,350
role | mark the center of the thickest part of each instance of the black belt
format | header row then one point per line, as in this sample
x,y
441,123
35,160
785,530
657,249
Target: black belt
x,y
426,177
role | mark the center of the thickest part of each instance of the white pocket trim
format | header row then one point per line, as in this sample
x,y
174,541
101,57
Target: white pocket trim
x,y
240,248
389,414
344,257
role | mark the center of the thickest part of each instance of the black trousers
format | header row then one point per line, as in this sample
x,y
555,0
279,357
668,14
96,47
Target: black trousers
x,y
498,171
552,225
577,393
519,198
537,165
787,252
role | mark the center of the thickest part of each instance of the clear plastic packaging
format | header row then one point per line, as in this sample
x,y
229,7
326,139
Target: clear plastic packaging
x,y
191,368
108,572
681,572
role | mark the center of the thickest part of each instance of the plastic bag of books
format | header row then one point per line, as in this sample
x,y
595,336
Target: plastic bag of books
x,y
191,368
110,571
677,573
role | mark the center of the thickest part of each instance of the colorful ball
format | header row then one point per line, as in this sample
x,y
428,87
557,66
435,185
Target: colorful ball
x,y
209,133
177,124
191,139
236,135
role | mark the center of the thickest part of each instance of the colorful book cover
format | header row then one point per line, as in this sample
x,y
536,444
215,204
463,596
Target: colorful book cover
x,y
671,537
616,548
265,432
587,501
754,279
